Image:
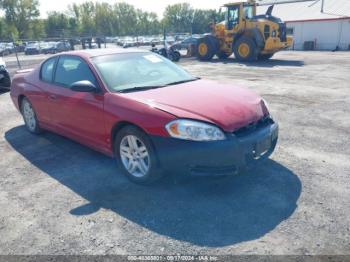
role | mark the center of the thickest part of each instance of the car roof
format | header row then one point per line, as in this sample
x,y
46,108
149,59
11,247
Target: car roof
x,y
89,53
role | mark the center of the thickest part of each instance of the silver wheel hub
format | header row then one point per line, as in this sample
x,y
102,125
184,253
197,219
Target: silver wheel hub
x,y
134,156
29,115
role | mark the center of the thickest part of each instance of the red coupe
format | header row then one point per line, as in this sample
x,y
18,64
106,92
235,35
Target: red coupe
x,y
147,112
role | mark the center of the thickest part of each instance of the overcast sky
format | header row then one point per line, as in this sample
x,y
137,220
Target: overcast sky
x,y
157,6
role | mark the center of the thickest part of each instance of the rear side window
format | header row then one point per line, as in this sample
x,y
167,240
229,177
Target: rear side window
x,y
71,69
47,70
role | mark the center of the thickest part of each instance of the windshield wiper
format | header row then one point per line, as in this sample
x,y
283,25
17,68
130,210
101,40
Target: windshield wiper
x,y
182,81
139,88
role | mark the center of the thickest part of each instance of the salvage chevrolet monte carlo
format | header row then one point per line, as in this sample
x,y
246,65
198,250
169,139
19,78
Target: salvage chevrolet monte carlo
x,y
147,112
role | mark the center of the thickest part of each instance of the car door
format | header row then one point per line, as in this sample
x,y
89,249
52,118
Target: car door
x,y
78,115
42,101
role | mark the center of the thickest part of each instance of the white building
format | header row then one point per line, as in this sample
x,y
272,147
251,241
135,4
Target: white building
x,y
328,30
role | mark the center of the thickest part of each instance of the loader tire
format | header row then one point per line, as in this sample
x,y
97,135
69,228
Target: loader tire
x,y
245,49
206,48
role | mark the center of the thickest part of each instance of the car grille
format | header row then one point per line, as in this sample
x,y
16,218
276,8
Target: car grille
x,y
283,32
249,129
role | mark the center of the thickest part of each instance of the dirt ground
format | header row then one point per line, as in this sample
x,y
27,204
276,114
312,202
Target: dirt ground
x,y
58,197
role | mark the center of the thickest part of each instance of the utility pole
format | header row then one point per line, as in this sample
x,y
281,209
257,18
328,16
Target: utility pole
x,y
16,47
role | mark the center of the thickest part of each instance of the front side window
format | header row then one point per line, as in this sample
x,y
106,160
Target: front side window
x,y
248,12
47,70
72,69
133,70
232,16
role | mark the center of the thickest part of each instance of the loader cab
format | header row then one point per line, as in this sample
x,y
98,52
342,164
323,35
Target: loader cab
x,y
232,16
236,13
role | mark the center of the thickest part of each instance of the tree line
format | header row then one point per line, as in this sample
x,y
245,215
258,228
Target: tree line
x,y
21,20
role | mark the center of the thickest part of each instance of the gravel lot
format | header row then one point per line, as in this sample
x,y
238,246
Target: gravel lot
x,y
58,197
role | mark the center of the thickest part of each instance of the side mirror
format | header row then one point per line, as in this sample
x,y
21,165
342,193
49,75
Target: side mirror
x,y
84,86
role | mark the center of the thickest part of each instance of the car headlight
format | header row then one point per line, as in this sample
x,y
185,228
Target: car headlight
x,y
194,130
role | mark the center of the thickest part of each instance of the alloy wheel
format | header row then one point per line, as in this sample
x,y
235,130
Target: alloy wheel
x,y
29,115
134,156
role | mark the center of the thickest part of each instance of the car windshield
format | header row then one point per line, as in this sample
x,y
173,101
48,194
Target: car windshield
x,y
135,71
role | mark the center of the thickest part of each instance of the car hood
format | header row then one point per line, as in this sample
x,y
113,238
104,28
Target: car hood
x,y
228,106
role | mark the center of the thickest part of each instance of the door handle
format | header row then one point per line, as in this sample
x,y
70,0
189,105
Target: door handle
x,y
52,97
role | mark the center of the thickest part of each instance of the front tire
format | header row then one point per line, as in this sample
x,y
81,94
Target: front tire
x,y
29,117
245,49
135,156
177,56
206,48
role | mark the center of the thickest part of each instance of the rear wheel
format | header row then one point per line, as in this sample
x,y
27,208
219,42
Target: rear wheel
x,y
206,48
135,155
29,117
264,57
245,49
177,56
171,57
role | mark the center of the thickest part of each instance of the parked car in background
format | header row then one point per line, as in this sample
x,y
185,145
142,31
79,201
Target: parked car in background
x,y
75,41
93,46
49,48
184,44
170,39
109,40
4,49
167,51
139,107
129,43
32,48
189,41
5,79
20,47
10,47
56,47
156,41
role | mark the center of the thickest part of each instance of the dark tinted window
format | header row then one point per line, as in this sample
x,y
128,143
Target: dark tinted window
x,y
71,69
47,70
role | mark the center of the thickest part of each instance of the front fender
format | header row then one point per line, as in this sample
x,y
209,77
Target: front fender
x,y
255,34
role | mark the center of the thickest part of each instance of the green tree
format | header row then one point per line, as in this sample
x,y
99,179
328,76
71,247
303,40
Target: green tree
x,y
147,23
87,18
57,24
19,15
36,29
178,18
201,21
104,19
127,18
92,18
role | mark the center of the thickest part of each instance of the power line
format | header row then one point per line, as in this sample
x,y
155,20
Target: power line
x,y
279,2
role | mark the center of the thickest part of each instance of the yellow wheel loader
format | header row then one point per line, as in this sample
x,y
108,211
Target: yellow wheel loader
x,y
249,36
